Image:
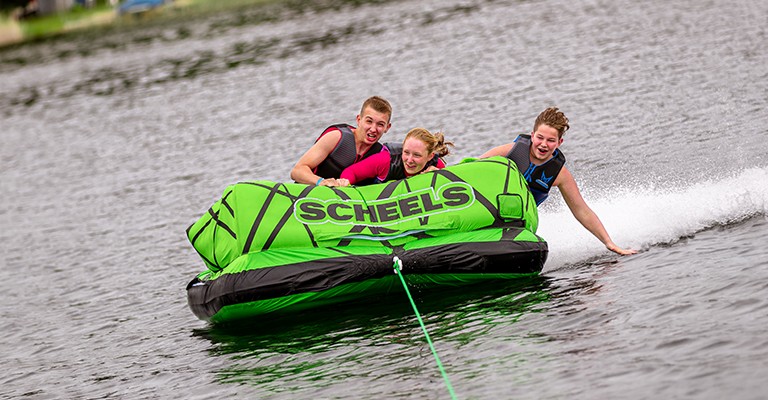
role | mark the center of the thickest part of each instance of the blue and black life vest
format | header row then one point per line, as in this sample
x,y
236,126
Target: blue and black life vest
x,y
539,177
344,154
396,167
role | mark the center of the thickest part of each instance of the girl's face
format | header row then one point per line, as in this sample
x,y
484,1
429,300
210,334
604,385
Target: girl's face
x,y
415,156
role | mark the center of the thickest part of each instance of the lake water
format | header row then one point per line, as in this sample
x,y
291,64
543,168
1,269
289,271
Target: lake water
x,y
112,144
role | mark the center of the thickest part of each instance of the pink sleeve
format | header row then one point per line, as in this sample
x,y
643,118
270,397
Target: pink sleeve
x,y
374,166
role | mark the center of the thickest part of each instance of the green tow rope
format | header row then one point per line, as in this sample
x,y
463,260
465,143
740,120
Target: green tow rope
x,y
398,266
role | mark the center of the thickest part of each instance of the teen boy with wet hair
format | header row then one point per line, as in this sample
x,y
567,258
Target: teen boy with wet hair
x,y
541,162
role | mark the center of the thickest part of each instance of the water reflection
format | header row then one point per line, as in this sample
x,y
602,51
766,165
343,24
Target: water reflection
x,y
577,283
382,333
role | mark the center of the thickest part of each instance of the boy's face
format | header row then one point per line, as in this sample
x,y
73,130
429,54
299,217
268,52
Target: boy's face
x,y
371,125
544,142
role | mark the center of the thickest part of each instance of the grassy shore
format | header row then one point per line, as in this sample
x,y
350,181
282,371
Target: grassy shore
x,y
10,31
13,32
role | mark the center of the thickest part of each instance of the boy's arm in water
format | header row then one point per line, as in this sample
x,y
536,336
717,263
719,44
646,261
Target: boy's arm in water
x,y
583,213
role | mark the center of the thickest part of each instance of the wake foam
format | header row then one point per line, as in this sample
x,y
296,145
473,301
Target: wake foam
x,y
642,217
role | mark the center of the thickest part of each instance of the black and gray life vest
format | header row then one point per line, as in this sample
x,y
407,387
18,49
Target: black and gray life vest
x,y
396,167
344,154
539,177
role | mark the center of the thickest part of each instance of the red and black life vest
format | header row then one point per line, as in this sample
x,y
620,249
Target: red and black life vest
x,y
344,154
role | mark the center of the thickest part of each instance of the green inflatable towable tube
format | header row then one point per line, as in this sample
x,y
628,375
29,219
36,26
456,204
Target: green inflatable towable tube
x,y
280,247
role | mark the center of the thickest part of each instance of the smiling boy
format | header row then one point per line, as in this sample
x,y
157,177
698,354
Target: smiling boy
x,y
340,146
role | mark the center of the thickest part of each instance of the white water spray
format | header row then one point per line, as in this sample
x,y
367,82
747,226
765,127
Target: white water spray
x,y
642,217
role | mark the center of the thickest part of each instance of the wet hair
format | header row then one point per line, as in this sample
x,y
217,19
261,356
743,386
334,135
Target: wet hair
x,y
435,141
554,118
378,104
